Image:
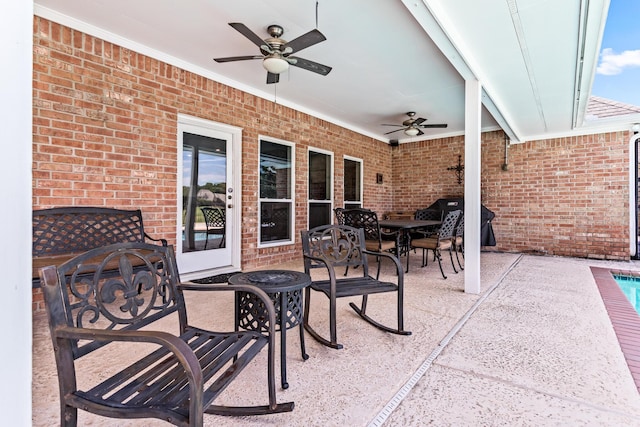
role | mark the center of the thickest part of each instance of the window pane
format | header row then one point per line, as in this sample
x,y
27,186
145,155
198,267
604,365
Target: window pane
x,y
275,221
352,180
275,170
319,176
319,214
352,205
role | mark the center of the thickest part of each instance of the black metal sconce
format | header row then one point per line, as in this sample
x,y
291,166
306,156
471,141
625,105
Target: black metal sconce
x,y
458,169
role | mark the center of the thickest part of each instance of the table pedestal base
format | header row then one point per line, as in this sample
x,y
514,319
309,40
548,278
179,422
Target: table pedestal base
x,y
285,288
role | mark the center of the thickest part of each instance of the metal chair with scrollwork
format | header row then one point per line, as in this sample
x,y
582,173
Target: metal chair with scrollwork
x,y
440,241
376,239
426,215
126,293
331,246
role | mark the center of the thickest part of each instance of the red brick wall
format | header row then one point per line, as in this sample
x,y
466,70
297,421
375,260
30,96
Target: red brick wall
x,y
565,196
420,174
105,134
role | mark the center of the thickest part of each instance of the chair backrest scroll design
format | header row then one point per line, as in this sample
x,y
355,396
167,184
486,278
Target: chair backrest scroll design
x,y
337,245
87,294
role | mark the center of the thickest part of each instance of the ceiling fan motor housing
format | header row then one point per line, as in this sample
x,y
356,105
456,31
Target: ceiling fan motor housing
x,y
410,120
274,42
275,31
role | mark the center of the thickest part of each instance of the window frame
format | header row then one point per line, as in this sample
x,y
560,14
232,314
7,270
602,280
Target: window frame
x,y
331,200
291,200
344,200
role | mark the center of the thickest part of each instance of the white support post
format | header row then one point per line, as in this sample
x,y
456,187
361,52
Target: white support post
x,y
16,132
472,161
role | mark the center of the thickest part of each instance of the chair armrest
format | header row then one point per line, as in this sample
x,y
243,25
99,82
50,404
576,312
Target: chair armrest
x,y
163,241
266,300
425,232
395,235
330,270
390,233
327,265
318,259
395,260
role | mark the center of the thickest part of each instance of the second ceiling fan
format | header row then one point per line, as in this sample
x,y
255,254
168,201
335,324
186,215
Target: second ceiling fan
x,y
276,52
413,126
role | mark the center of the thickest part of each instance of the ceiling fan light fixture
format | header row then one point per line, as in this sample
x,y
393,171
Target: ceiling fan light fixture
x,y
411,131
275,64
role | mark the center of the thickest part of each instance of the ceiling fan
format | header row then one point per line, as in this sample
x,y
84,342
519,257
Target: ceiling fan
x,y
413,127
276,52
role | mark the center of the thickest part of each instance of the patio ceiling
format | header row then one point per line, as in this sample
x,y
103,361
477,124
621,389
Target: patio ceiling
x,y
535,59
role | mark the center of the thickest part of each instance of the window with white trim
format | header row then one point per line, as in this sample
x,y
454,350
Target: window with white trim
x,y
352,183
320,187
276,198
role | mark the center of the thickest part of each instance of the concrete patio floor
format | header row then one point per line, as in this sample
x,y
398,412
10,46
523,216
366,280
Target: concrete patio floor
x,y
536,347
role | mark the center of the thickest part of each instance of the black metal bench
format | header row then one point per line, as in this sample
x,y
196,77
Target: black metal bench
x,y
61,233
179,381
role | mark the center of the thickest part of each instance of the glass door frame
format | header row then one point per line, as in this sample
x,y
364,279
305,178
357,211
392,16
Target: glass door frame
x,y
233,136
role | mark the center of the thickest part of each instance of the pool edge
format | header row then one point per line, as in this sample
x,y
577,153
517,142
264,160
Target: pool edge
x,y
624,319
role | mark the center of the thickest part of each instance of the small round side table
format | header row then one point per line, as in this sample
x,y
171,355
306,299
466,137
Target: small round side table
x,y
284,287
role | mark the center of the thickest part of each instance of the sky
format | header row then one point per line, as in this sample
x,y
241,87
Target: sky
x,y
618,73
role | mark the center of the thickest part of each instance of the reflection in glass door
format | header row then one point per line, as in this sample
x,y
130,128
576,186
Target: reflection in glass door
x,y
204,191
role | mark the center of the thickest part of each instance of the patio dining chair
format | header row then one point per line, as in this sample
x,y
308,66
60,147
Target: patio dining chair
x,y
443,240
376,239
215,222
426,215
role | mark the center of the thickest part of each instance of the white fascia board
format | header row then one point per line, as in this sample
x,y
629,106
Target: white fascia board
x,y
593,18
613,126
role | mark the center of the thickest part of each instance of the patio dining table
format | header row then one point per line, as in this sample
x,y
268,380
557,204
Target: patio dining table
x,y
404,226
